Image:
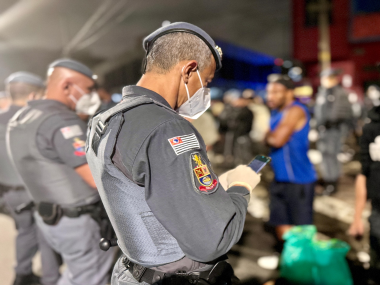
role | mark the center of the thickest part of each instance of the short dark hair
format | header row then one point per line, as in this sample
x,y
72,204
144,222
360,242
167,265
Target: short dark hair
x,y
284,80
172,48
21,90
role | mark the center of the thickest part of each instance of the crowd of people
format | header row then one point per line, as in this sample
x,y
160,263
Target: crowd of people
x,y
75,167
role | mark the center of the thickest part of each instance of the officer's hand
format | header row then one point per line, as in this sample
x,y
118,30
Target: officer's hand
x,y
243,175
357,228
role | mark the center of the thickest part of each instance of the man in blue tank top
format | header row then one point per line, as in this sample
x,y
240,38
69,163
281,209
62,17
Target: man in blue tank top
x,y
292,191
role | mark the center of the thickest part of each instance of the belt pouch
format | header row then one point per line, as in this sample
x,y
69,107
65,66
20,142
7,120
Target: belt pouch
x,y
51,213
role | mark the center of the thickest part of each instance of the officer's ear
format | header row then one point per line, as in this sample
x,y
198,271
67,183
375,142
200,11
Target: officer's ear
x,y
66,87
188,70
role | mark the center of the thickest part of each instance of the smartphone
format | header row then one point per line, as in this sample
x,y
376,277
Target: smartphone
x,y
259,162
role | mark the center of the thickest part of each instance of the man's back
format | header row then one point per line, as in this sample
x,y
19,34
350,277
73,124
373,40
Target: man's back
x,y
8,175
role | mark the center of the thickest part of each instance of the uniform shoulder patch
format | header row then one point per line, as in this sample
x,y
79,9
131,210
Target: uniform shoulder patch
x,y
205,180
79,146
71,131
185,143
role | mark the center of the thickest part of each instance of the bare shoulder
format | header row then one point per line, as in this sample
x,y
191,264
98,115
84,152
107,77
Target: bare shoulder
x,y
296,112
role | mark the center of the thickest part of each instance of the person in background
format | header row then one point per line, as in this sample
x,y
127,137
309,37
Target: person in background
x,y
333,114
367,187
206,126
46,140
292,191
5,101
235,125
106,98
23,86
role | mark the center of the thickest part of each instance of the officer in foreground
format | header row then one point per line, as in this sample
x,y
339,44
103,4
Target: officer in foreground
x,y
20,86
46,140
174,220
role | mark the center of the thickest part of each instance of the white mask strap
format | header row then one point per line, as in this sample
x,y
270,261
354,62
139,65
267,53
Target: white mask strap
x,y
73,99
79,89
200,78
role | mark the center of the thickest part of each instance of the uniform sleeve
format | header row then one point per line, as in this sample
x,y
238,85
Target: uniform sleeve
x,y
63,140
184,193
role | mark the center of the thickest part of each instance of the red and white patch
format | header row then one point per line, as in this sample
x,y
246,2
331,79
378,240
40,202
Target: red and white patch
x,y
183,144
175,141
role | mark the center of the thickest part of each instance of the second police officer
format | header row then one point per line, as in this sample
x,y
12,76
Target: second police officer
x,y
46,140
173,218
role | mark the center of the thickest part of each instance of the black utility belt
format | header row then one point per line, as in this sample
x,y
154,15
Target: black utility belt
x,y
52,213
220,273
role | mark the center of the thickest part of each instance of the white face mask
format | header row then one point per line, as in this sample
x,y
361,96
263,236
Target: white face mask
x,y
88,104
195,106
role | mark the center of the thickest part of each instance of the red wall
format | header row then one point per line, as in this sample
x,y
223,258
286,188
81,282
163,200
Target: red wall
x,y
362,56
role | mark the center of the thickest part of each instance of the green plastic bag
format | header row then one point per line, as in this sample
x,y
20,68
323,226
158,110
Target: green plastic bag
x,y
307,261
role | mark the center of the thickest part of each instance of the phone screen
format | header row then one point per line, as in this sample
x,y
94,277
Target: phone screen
x,y
259,162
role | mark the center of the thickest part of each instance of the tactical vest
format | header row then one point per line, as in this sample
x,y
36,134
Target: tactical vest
x,y
141,237
8,175
46,180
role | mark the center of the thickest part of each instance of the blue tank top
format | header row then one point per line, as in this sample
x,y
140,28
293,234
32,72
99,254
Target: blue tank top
x,y
290,162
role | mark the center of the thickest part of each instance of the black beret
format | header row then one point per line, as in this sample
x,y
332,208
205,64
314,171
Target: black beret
x,y
282,79
186,28
25,77
73,65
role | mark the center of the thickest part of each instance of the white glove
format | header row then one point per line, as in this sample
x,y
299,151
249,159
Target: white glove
x,y
244,176
223,179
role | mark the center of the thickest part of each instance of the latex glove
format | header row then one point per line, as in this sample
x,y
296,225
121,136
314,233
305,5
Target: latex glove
x,y
223,179
244,176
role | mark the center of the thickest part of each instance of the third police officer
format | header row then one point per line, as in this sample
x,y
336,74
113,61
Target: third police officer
x,y
173,218
46,140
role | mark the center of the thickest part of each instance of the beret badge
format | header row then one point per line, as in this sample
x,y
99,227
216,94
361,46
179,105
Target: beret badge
x,y
219,50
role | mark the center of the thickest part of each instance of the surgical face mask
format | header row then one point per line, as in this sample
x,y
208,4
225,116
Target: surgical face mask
x,y
196,105
88,104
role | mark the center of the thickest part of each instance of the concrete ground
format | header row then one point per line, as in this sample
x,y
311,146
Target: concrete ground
x,y
332,217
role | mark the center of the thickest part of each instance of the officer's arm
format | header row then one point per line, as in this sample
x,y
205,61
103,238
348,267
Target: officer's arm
x,y
184,194
293,118
85,172
65,142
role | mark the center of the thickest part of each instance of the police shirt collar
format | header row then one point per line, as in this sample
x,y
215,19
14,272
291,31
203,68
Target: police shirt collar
x,y
134,90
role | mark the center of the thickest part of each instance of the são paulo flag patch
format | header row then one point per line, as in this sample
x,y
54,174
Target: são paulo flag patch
x,y
183,144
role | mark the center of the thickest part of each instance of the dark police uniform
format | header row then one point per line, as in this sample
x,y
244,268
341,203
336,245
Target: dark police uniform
x,y
169,212
370,161
46,140
333,114
13,194
28,239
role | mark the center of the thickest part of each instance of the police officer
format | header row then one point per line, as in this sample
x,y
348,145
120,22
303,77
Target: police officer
x,y
22,86
46,140
333,114
173,218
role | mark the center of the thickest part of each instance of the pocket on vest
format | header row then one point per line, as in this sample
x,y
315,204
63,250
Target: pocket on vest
x,y
162,239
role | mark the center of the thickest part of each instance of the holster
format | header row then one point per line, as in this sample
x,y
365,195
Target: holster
x,y
100,216
221,273
51,213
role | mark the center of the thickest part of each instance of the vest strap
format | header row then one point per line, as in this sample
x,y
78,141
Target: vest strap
x,y
127,104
